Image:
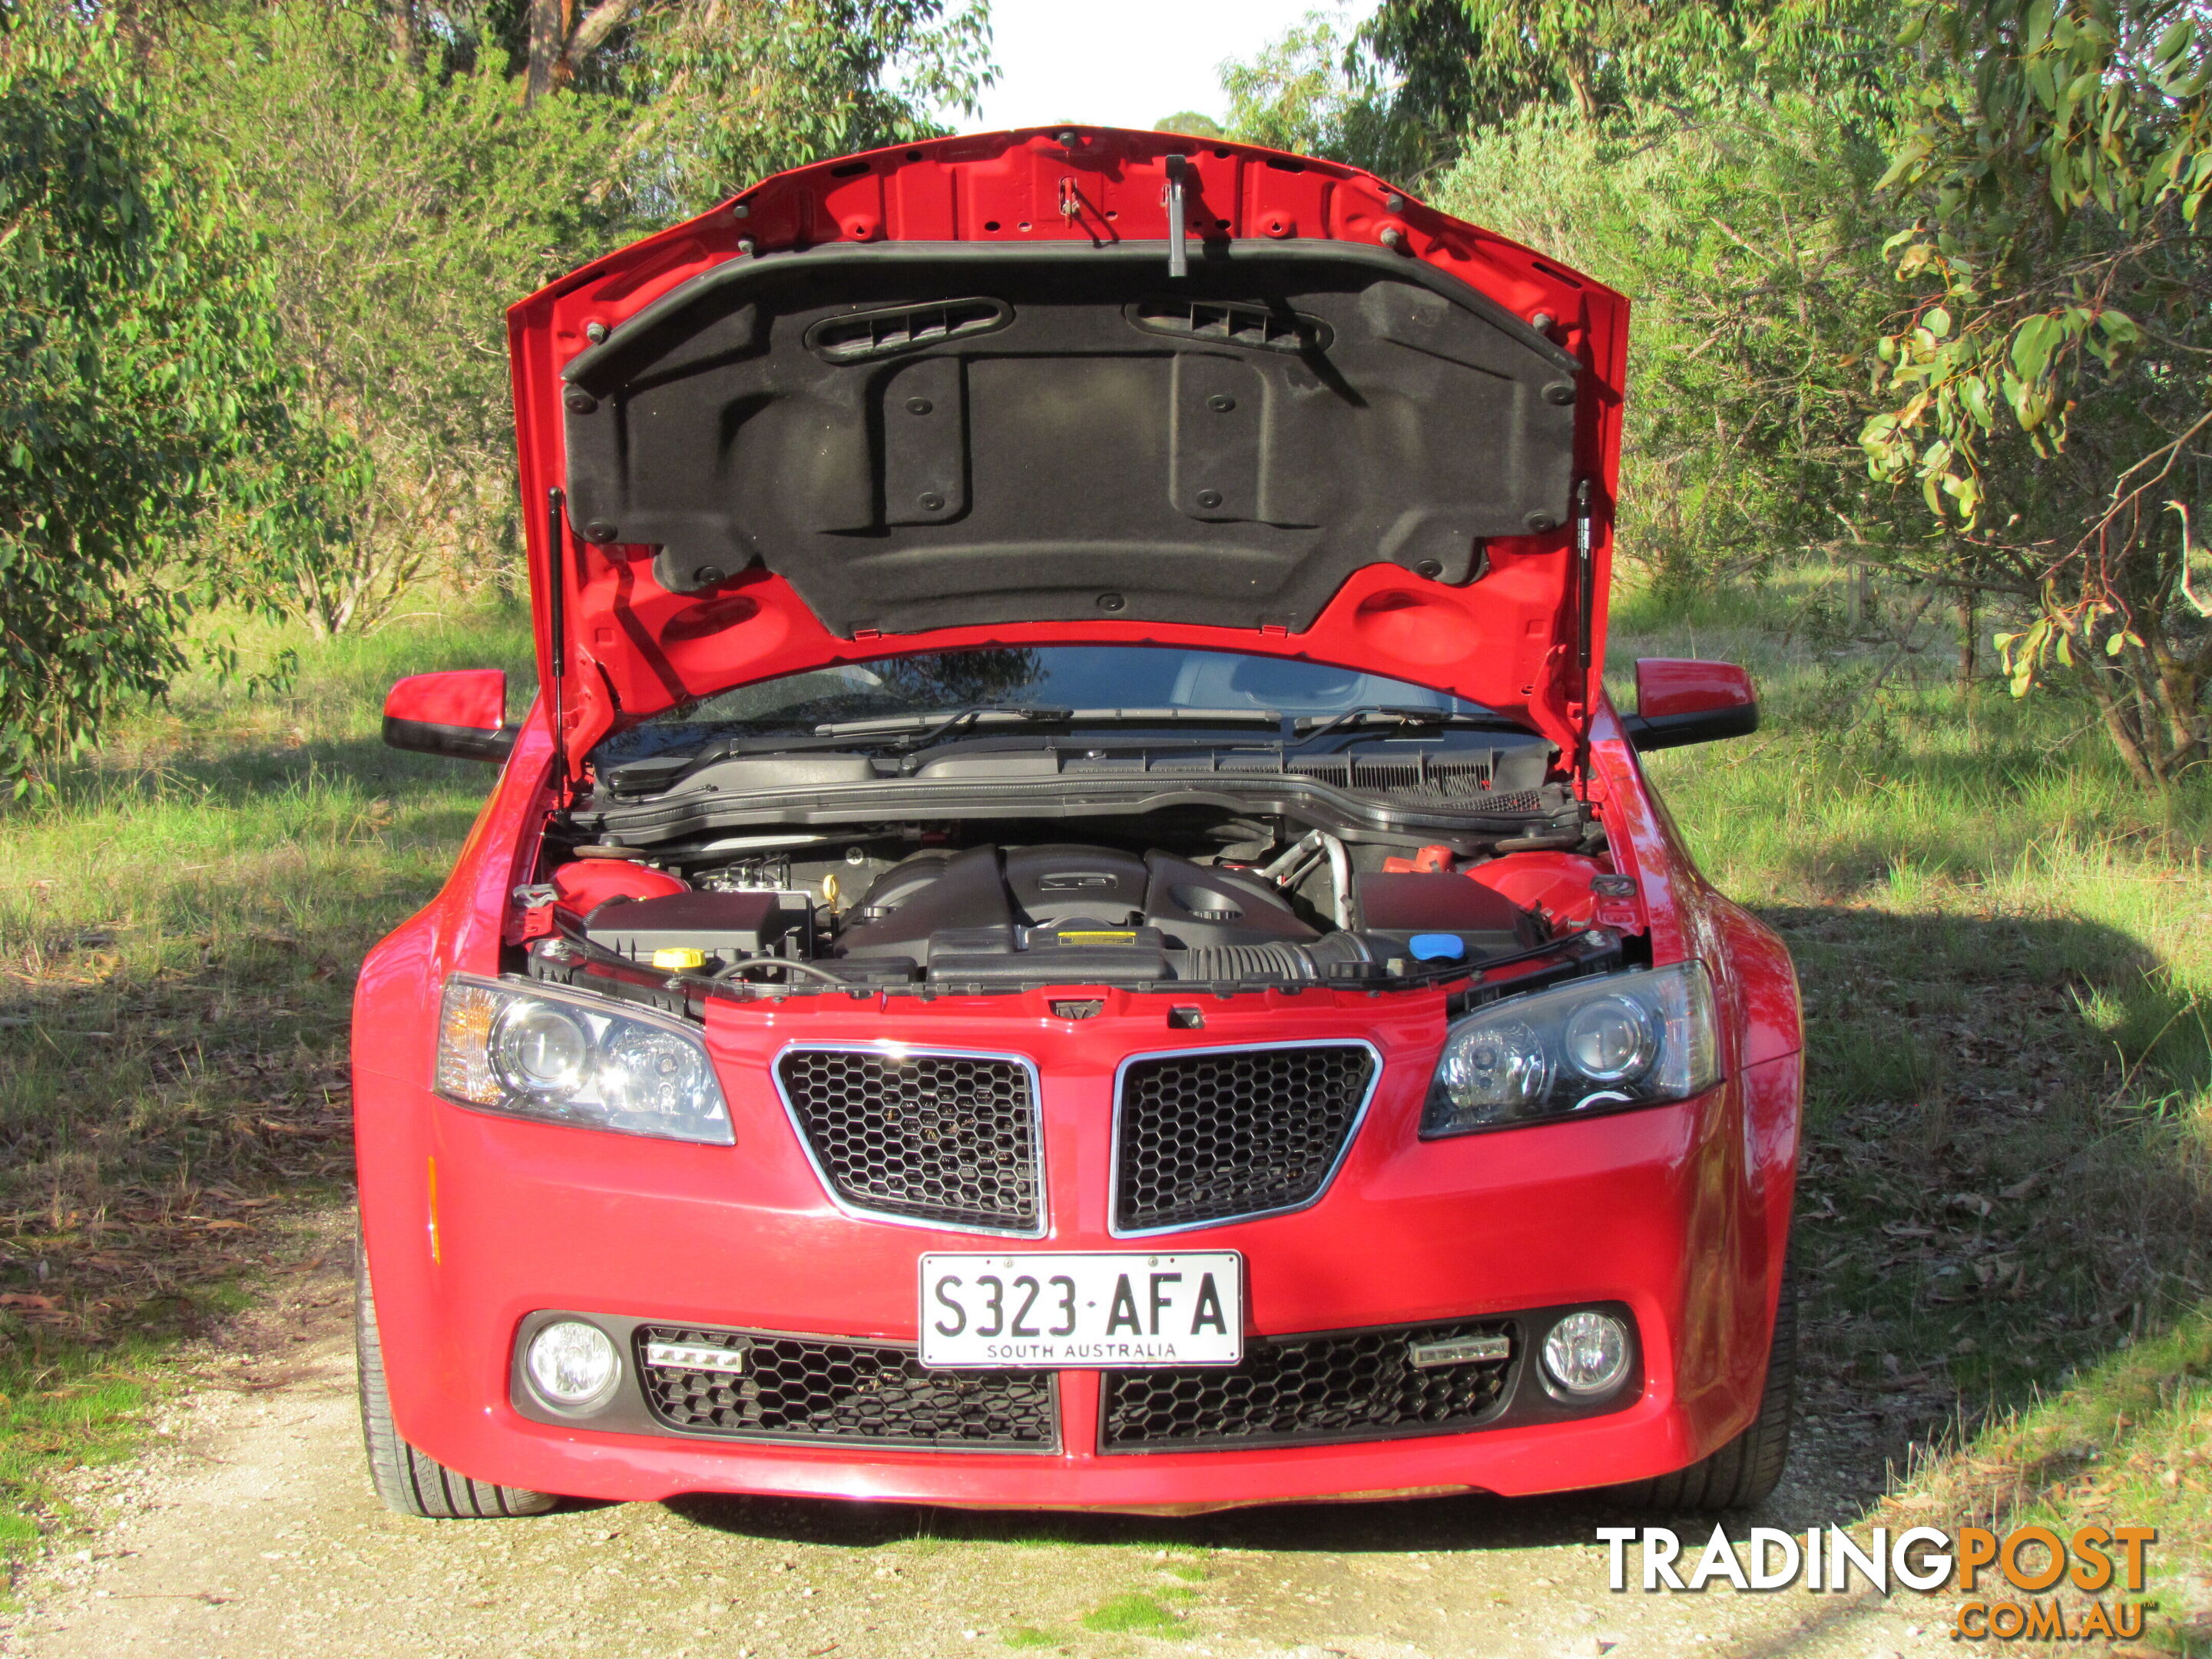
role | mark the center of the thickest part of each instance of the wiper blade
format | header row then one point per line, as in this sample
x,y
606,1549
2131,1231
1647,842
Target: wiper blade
x,y
937,722
1268,717
1320,725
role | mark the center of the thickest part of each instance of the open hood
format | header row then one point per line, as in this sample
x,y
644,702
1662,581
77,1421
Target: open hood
x,y
968,393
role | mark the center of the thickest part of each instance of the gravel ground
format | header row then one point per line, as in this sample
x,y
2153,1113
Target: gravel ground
x,y
248,1531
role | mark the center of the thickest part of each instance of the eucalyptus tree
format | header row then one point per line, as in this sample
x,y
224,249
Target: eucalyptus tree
x,y
2048,389
150,466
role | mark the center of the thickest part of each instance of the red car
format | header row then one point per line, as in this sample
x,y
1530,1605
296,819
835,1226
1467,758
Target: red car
x,y
1074,927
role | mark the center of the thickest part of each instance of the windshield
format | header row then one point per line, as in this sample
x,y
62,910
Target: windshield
x,y
1083,677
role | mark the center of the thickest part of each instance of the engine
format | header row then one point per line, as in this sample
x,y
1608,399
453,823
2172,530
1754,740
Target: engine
x,y
998,917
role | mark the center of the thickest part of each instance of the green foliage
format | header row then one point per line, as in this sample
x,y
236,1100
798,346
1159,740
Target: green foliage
x,y
1469,64
1192,122
733,91
1315,91
144,400
2047,390
1743,230
400,205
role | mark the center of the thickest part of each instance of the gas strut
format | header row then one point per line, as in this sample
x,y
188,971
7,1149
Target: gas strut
x,y
556,626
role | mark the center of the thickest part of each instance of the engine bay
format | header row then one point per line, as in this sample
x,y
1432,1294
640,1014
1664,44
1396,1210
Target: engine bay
x,y
1176,898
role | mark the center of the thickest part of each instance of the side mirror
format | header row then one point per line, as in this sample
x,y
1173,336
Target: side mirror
x,y
462,714
1680,700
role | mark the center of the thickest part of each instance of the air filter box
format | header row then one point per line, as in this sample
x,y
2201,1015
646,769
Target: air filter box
x,y
725,925
1486,921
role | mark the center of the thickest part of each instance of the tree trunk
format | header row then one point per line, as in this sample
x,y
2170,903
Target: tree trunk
x,y
548,33
1966,639
406,40
2119,722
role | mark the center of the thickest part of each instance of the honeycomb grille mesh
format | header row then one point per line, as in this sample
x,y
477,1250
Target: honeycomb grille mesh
x,y
943,1138
851,1394
1206,1137
1361,1385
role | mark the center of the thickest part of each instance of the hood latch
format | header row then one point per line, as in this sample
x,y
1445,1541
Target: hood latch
x,y
1178,255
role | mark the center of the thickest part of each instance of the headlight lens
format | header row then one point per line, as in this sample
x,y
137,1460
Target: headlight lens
x,y
572,1363
564,1057
540,1051
1609,1039
1641,1038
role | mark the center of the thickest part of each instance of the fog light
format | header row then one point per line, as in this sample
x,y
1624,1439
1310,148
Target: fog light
x,y
1587,1353
572,1364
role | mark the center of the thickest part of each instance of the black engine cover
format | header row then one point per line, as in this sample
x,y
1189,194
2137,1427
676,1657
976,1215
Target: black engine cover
x,y
984,902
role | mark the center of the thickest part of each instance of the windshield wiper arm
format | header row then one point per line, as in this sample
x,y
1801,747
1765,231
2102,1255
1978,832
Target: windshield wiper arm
x,y
927,728
1396,714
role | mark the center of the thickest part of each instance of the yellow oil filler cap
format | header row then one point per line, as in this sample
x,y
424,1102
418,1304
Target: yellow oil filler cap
x,y
682,957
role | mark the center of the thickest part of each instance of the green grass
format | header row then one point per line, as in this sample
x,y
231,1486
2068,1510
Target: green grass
x,y
180,930
1136,1614
1029,1636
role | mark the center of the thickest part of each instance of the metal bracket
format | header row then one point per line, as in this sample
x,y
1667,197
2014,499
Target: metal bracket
x,y
1178,255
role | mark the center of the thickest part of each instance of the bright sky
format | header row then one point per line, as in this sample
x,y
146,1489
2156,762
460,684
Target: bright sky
x,y
1125,64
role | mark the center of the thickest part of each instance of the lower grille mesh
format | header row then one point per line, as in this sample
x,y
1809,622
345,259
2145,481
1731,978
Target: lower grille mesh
x,y
948,1138
1359,1385
851,1394
1209,1136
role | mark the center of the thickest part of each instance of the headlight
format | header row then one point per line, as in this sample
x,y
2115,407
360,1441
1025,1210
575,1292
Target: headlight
x,y
1640,1038
562,1057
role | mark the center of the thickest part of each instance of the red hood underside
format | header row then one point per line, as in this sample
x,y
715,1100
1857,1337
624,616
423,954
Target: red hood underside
x,y
792,441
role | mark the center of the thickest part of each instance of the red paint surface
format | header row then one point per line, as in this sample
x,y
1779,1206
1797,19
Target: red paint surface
x,y
586,883
1684,685
473,697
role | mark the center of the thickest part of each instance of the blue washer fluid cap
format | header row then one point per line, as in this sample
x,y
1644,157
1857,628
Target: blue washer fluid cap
x,y
1437,947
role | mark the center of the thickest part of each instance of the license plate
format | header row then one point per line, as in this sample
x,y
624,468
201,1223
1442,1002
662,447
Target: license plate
x,y
1106,1308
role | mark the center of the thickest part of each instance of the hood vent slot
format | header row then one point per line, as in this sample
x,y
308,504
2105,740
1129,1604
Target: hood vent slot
x,y
866,334
1228,322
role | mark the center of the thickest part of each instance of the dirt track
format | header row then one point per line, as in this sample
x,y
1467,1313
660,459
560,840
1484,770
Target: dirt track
x,y
250,1533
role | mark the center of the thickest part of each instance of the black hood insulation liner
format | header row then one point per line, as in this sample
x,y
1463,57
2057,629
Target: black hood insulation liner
x,y
919,435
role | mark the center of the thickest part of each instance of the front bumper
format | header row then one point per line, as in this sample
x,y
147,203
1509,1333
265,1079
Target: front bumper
x,y
477,1225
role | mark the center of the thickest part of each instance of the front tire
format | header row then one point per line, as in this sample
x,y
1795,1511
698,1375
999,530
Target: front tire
x,y
1742,1474
405,1479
